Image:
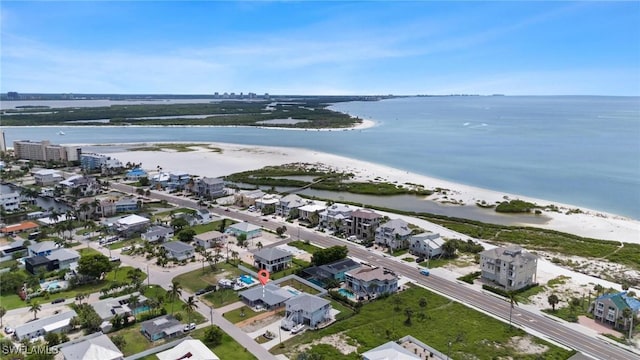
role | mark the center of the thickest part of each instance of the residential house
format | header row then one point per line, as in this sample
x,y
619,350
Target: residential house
x,y
369,282
270,296
91,347
426,244
58,323
335,216
132,224
178,180
36,264
136,174
510,267
42,248
121,306
393,234
188,349
46,177
210,239
268,201
126,204
210,188
390,350
91,162
363,224
249,230
81,185
157,233
288,203
306,309
10,201
201,216
272,259
609,309
179,250
18,228
58,259
311,212
332,271
160,180
161,327
247,198
16,247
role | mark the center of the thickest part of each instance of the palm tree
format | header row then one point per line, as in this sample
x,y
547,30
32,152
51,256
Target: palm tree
x,y
34,308
553,301
234,255
511,295
133,301
190,306
80,297
84,210
259,245
3,312
175,291
408,312
116,321
627,314
422,302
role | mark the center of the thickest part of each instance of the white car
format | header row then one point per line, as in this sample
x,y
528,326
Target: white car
x,y
189,327
126,248
8,330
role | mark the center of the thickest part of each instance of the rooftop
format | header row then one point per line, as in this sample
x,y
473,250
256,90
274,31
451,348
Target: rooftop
x,y
365,214
177,246
369,274
245,227
19,227
269,254
270,294
38,324
64,255
209,235
509,254
132,220
188,349
94,346
389,351
43,246
306,302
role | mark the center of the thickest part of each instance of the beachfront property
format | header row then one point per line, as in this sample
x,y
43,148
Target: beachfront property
x,y
332,271
178,180
10,201
157,233
121,306
14,229
161,327
272,259
288,203
179,250
45,177
426,244
394,234
247,198
160,180
58,323
59,259
310,211
41,151
389,350
268,201
306,309
188,349
249,230
510,267
370,282
609,309
363,224
210,239
135,174
270,296
209,188
92,162
91,347
334,217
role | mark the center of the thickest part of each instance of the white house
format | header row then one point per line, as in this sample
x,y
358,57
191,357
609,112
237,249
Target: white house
x,y
288,203
268,200
249,230
46,177
334,217
179,250
272,259
307,310
210,239
393,234
57,324
91,347
157,233
307,212
188,349
132,224
10,201
426,244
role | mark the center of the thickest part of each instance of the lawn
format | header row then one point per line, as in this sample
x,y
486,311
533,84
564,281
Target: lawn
x,y
241,314
88,251
228,349
197,279
199,229
8,264
155,291
221,298
472,334
304,246
135,341
121,244
570,313
120,274
12,301
299,286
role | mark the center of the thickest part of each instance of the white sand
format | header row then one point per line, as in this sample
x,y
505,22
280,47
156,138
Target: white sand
x,y
235,158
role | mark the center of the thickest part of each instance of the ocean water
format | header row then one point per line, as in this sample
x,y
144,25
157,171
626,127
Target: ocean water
x,y
581,150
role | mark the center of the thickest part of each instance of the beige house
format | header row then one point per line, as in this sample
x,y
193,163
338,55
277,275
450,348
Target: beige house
x,y
510,267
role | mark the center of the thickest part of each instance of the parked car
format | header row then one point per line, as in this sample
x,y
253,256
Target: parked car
x,y
8,330
189,327
201,291
419,260
114,259
424,272
126,248
58,301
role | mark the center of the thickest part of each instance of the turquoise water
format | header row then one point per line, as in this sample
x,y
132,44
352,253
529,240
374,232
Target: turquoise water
x,y
347,293
294,292
581,150
140,309
246,279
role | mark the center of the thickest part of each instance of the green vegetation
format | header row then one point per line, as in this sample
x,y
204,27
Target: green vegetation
x,y
223,113
469,278
575,307
198,279
157,292
515,206
304,246
227,349
241,314
299,286
472,334
135,342
329,255
221,298
179,147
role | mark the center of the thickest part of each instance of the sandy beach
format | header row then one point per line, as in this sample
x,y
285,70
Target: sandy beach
x,y
234,158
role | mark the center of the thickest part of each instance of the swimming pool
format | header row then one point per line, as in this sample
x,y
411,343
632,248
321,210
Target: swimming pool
x,y
246,279
140,309
347,293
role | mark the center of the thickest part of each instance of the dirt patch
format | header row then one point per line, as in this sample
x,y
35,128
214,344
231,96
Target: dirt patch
x,y
259,321
526,345
339,341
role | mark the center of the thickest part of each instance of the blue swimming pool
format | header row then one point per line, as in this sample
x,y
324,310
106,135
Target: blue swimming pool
x,y
141,309
347,293
246,279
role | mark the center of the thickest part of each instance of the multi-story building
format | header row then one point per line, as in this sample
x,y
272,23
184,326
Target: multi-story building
x,y
510,267
306,309
272,259
10,201
393,234
426,244
92,162
288,203
363,224
210,188
335,216
369,282
39,151
46,177
609,309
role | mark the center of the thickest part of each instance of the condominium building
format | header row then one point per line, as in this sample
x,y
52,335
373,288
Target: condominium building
x,y
39,151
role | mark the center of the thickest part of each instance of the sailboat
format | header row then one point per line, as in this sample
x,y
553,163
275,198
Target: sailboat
x,y
61,132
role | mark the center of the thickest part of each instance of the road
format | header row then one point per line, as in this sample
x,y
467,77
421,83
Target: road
x,y
528,320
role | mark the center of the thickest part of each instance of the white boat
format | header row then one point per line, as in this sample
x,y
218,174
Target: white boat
x,y
61,132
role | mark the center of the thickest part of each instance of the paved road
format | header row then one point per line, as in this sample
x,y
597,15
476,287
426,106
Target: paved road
x,y
554,330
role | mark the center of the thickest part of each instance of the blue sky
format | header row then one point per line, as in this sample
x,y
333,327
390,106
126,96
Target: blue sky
x,y
364,47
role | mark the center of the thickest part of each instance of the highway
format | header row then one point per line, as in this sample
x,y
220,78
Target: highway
x,y
543,325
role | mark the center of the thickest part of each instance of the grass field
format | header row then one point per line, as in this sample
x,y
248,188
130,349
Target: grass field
x,y
221,298
135,341
304,246
175,307
197,279
299,286
237,315
471,333
229,349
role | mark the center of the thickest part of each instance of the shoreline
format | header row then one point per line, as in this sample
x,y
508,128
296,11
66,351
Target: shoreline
x,y
237,157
